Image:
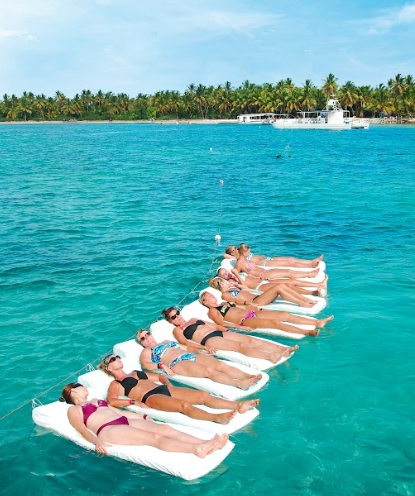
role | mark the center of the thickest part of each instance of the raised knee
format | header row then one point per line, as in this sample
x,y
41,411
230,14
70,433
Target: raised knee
x,y
209,372
185,407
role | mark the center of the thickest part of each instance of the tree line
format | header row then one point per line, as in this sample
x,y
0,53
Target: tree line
x,y
396,98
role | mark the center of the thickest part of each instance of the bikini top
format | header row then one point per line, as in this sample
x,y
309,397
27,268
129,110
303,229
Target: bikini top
x,y
129,383
191,329
234,292
250,266
158,351
224,309
89,408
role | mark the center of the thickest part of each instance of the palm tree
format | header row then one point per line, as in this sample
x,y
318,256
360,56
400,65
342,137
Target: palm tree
x,y
330,86
308,98
348,95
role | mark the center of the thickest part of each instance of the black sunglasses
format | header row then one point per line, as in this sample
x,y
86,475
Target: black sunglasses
x,y
144,336
76,385
107,360
173,317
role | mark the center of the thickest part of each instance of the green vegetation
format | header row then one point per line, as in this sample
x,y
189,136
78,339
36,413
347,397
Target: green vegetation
x,y
397,98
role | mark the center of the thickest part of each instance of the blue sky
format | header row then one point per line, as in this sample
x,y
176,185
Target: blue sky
x,y
140,46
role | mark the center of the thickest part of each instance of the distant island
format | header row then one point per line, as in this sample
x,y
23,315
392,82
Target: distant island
x,y
395,99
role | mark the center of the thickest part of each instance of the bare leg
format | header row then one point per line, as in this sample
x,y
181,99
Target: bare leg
x,y
279,273
152,434
194,369
252,347
259,323
202,398
293,262
323,322
171,404
287,317
286,292
221,366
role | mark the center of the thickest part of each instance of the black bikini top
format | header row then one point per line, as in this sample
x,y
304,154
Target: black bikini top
x,y
191,329
224,309
130,382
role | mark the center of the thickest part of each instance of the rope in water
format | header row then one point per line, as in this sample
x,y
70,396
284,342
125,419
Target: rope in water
x,y
35,400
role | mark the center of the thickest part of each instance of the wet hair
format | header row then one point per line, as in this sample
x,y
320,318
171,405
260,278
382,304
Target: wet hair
x,y
243,248
66,393
166,313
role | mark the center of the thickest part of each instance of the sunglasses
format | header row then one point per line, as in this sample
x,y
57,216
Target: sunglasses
x,y
145,336
76,385
107,361
173,317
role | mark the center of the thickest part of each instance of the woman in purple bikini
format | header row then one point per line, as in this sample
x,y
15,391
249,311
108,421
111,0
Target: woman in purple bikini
x,y
103,425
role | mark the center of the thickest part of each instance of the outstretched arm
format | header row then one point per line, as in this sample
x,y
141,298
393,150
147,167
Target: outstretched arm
x,y
113,397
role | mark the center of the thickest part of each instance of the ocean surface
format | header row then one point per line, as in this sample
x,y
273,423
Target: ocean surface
x,y
104,225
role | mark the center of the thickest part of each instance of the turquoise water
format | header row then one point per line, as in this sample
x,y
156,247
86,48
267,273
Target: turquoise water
x,y
103,225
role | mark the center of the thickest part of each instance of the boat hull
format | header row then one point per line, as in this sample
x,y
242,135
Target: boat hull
x,y
300,124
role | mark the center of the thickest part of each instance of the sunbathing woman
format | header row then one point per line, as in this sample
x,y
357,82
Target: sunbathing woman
x,y
251,282
172,358
101,424
245,266
143,391
233,252
212,336
232,292
237,316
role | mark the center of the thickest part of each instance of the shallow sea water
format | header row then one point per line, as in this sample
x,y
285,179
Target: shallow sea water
x,y
103,225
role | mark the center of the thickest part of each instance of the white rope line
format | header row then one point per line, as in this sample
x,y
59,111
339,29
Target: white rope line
x,y
89,366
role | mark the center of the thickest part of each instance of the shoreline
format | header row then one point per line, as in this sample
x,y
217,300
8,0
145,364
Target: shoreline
x,y
374,121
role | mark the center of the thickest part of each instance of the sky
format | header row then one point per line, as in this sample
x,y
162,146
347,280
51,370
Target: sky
x,y
141,46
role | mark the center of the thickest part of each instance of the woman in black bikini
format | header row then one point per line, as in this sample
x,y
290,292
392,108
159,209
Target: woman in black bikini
x,y
103,425
216,337
141,388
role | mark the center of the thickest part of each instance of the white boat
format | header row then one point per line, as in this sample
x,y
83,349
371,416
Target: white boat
x,y
265,118
332,117
359,123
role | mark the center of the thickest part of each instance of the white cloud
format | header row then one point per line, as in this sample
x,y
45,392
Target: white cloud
x,y
226,21
19,33
389,20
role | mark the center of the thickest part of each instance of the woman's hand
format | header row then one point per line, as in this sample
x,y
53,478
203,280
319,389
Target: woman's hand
x,y
167,370
100,446
163,379
211,350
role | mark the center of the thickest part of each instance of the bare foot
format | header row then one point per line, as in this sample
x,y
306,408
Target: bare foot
x,y
244,406
293,348
324,283
247,383
322,322
225,418
207,447
308,303
314,332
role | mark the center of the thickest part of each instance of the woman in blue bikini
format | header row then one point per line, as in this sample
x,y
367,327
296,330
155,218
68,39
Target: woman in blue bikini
x,y
103,425
171,358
